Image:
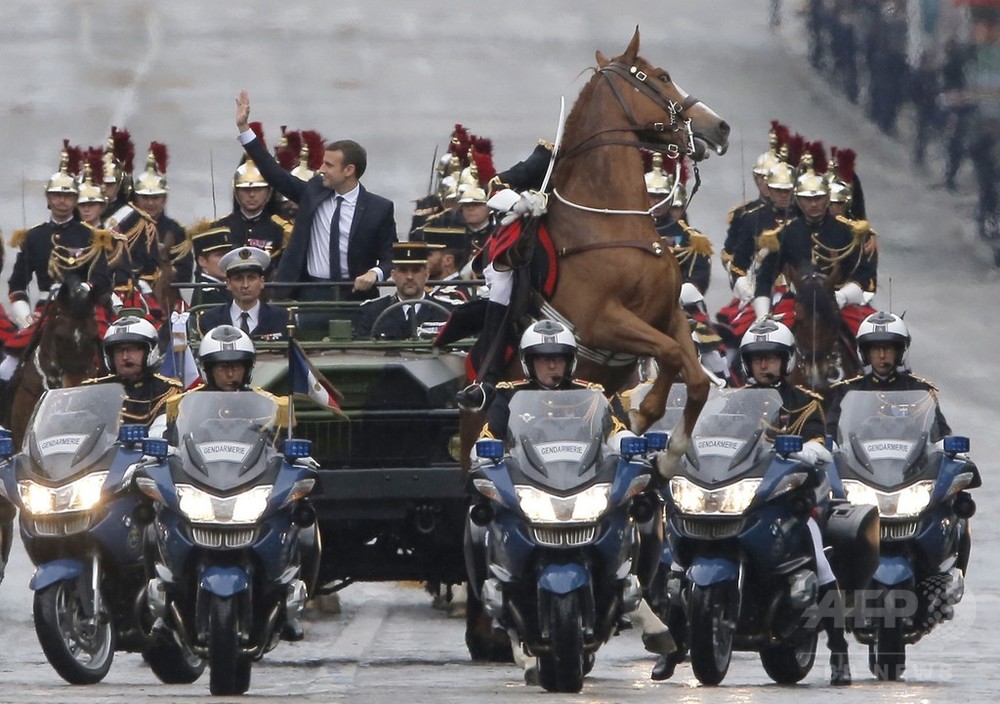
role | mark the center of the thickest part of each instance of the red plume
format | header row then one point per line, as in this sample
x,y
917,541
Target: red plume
x,y
685,170
845,164
123,148
782,132
317,147
159,156
287,154
818,152
74,163
459,144
258,129
796,146
482,153
95,157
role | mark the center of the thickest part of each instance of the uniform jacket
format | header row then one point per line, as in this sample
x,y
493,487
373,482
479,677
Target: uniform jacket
x,y
395,326
265,231
210,296
144,399
801,413
272,321
143,238
743,237
897,381
372,232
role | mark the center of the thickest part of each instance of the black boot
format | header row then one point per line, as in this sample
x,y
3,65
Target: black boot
x,y
478,395
292,630
832,603
665,665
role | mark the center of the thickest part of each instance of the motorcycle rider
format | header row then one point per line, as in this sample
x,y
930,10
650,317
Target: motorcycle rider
x,y
548,353
131,355
768,355
883,343
226,357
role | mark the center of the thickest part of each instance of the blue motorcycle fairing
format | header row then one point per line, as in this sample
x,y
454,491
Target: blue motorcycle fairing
x,y
160,474
951,467
778,469
124,459
116,533
284,481
224,582
48,573
563,578
774,536
626,472
706,571
893,570
500,476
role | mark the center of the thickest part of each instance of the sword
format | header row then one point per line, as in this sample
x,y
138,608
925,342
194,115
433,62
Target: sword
x,y
211,168
430,179
555,145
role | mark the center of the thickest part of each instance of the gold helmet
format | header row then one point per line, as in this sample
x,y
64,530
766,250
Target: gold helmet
x,y
810,184
657,181
840,176
302,171
769,159
248,176
782,174
62,181
472,194
153,181
89,193
469,176
119,153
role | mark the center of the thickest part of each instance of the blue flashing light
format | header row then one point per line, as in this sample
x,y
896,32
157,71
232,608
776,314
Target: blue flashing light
x,y
6,448
787,444
633,446
132,433
297,448
955,444
489,449
155,447
4,433
656,440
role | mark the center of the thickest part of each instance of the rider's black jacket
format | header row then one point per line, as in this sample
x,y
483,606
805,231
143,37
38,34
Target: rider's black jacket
x,y
897,381
801,412
146,398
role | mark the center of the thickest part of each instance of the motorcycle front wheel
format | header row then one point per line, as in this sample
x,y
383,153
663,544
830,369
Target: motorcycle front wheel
x,y
229,668
561,668
887,655
788,664
711,628
79,647
173,662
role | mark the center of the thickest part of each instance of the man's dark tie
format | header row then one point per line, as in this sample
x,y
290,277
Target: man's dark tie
x,y
335,274
245,322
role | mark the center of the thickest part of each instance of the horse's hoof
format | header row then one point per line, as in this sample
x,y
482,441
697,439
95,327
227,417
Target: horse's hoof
x,y
531,676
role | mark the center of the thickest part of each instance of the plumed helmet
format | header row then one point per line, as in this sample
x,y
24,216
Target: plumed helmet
x,y
473,194
62,181
131,328
840,192
657,180
768,337
226,343
153,181
249,176
765,162
883,328
547,337
781,176
89,193
808,183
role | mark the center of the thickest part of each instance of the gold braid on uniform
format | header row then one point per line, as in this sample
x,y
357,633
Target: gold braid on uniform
x,y
65,258
768,239
286,229
17,237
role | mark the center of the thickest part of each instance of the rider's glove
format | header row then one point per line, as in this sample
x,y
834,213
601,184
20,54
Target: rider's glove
x,y
743,289
21,314
503,200
531,203
761,306
850,294
476,397
690,294
813,453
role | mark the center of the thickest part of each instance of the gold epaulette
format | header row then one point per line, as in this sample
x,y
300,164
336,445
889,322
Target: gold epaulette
x,y
169,380
700,244
18,236
173,404
925,381
731,215
98,380
859,228
286,228
512,384
485,433
202,225
542,142
768,240
810,392
581,384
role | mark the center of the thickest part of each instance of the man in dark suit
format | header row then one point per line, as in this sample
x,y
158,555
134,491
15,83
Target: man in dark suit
x,y
342,232
245,267
409,272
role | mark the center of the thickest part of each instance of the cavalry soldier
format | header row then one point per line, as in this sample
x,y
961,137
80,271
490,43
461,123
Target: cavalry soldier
x,y
116,170
823,242
131,354
151,191
92,200
209,244
409,272
692,249
63,245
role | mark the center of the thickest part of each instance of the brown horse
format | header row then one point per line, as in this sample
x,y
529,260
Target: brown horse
x,y
825,351
63,352
618,286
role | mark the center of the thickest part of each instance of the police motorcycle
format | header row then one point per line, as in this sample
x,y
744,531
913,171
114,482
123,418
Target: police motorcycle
x,y
737,512
72,482
558,561
227,571
890,454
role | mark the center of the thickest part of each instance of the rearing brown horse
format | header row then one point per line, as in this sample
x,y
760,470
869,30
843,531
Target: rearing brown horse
x,y
619,286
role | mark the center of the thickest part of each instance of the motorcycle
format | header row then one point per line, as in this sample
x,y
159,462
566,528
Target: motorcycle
x,y
228,515
73,484
557,559
737,515
889,454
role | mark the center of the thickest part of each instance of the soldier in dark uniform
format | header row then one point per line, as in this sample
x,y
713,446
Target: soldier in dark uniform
x,y
116,171
62,246
254,221
883,341
446,255
209,245
735,219
151,191
409,272
819,241
130,353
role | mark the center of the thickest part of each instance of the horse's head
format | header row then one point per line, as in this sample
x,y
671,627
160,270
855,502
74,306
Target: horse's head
x,y
659,110
824,356
70,340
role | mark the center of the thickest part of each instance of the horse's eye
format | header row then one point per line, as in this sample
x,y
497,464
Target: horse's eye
x,y
665,77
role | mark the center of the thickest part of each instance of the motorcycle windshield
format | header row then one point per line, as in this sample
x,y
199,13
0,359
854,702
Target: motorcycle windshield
x,y
735,428
73,429
556,438
226,439
883,434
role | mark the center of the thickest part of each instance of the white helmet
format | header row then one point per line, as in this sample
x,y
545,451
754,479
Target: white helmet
x,y
768,336
226,343
132,328
547,337
884,328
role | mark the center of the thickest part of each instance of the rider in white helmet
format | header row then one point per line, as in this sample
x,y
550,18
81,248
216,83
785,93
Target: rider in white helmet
x,y
131,354
883,343
768,355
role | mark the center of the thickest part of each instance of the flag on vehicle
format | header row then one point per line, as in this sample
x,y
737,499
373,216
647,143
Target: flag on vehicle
x,y
179,362
306,380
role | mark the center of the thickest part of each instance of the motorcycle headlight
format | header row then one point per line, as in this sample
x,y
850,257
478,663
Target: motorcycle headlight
x,y
80,495
733,499
584,507
202,507
891,504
